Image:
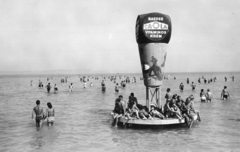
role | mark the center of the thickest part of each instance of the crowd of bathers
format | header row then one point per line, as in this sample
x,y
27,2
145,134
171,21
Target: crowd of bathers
x,y
175,107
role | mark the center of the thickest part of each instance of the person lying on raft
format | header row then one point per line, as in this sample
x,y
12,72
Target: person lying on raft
x,y
143,113
155,113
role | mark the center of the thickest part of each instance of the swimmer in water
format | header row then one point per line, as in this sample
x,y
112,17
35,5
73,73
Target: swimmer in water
x,y
193,86
38,113
48,87
71,87
181,86
203,96
117,88
225,94
55,88
50,113
209,95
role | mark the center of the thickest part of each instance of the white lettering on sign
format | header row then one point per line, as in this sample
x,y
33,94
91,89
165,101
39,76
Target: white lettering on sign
x,y
156,32
155,36
155,18
155,26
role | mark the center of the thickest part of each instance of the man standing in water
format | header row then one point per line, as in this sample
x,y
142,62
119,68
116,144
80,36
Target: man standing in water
x,y
181,86
225,95
48,87
38,112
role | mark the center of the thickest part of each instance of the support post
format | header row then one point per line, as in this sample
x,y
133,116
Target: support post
x,y
147,98
156,95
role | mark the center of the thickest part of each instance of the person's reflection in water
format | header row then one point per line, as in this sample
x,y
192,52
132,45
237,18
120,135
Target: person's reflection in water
x,y
43,138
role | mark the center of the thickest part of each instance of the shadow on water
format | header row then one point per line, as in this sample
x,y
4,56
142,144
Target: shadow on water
x,y
235,119
44,136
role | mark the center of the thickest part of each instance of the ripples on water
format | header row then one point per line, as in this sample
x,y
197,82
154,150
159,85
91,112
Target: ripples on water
x,y
83,121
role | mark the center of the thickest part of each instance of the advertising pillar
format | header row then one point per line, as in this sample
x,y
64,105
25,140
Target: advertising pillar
x,y
153,33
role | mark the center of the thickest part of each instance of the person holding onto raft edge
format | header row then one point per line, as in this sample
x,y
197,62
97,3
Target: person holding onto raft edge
x,y
38,112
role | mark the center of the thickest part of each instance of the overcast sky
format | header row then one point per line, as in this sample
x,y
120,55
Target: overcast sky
x,y
99,35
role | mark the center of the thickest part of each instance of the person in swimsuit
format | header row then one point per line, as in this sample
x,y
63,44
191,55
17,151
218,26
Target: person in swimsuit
x,y
181,86
117,88
225,95
193,86
50,113
203,96
48,87
103,86
118,111
71,87
38,112
55,88
209,95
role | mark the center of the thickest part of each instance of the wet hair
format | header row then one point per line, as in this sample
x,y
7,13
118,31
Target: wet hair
x,y
174,96
208,89
49,105
225,87
178,97
168,89
132,94
120,96
191,97
202,90
38,102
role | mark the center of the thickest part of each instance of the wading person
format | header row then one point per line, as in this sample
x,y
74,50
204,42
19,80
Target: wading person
x,y
50,113
38,113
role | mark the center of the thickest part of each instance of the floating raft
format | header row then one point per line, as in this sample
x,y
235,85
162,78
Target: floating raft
x,y
154,121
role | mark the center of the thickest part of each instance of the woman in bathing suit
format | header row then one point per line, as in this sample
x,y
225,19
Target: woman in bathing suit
x,y
50,113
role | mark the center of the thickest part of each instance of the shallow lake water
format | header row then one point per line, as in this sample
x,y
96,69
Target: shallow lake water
x,y
83,120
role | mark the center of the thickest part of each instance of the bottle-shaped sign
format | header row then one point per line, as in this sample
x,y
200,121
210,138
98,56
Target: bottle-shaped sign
x,y
153,32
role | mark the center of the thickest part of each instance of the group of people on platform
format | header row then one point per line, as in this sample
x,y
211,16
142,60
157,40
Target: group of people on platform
x,y
175,107
39,116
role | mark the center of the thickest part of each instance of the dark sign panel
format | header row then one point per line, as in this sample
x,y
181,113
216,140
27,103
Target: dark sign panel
x,y
153,28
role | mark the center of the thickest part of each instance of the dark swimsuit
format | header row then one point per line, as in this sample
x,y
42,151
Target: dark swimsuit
x,y
39,115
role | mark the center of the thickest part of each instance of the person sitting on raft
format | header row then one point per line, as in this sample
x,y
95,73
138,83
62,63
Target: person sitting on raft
x,y
190,109
168,111
183,108
132,99
132,110
118,111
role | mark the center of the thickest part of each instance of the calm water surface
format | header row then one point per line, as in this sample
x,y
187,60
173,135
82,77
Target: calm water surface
x,y
83,121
